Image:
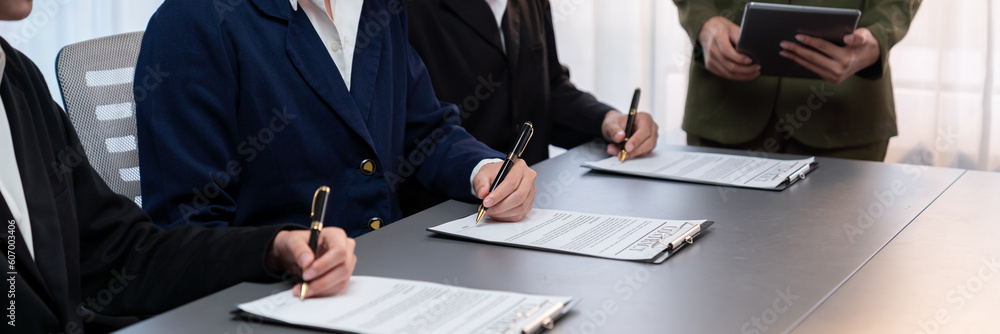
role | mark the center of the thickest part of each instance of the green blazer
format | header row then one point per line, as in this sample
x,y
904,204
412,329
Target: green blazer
x,y
818,113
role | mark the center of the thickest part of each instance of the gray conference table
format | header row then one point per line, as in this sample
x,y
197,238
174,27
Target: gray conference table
x,y
771,259
939,275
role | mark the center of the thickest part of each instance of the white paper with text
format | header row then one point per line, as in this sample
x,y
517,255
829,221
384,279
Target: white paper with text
x,y
607,236
386,305
711,168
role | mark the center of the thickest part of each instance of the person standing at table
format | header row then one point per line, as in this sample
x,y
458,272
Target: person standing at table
x,y
262,101
497,60
848,114
82,258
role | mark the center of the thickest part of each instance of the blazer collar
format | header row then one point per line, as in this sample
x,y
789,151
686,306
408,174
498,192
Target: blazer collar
x,y
277,8
477,14
304,49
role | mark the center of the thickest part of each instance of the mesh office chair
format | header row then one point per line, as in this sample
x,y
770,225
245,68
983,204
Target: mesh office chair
x,y
95,78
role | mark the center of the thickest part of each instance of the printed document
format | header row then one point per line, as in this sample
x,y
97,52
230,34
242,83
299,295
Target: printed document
x,y
386,305
607,236
711,168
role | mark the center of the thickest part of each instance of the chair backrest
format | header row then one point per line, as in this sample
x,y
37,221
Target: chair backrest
x,y
95,78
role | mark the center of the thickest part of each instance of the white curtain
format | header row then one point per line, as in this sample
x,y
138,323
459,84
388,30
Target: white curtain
x,y
943,72
54,24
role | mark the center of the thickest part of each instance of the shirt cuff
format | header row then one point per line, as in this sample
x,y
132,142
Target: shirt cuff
x,y
476,171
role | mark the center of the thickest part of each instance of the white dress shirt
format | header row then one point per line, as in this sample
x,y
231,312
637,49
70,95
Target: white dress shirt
x,y
339,36
339,33
499,7
10,176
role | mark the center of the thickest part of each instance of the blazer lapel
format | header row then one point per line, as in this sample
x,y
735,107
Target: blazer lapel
x,y
305,49
28,271
513,36
25,265
47,239
477,14
367,54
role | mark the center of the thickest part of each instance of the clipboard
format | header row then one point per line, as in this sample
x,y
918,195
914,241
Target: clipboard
x,y
797,175
766,25
636,239
672,243
359,311
677,240
532,323
690,166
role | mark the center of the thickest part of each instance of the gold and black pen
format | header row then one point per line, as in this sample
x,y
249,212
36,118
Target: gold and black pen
x,y
522,141
631,122
317,215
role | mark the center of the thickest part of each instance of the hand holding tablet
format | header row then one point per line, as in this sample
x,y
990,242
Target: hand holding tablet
x,y
718,37
805,41
832,62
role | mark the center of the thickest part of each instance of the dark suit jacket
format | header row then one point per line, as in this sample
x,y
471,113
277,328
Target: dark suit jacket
x,y
252,116
497,91
96,254
858,111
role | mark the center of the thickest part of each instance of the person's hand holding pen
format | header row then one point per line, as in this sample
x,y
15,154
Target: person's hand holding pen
x,y
513,198
507,188
327,274
642,139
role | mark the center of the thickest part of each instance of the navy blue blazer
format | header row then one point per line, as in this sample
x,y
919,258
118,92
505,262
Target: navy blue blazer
x,y
242,114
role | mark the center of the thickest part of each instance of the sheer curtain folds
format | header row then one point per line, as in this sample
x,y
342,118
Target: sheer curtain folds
x,y
944,71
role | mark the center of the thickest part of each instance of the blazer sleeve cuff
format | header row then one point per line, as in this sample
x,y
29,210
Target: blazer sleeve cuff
x,y
693,15
881,66
264,237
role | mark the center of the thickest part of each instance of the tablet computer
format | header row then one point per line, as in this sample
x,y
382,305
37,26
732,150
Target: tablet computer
x,y
765,25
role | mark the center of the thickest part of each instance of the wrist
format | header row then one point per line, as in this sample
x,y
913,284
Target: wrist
x,y
273,261
609,124
709,29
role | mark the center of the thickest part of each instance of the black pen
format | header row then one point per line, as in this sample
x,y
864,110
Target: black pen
x,y
317,215
631,121
522,141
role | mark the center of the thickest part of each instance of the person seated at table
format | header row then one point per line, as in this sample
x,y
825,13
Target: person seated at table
x,y
82,258
497,60
265,100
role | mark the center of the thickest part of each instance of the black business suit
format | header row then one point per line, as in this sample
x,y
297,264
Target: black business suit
x,y
460,43
497,90
96,254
